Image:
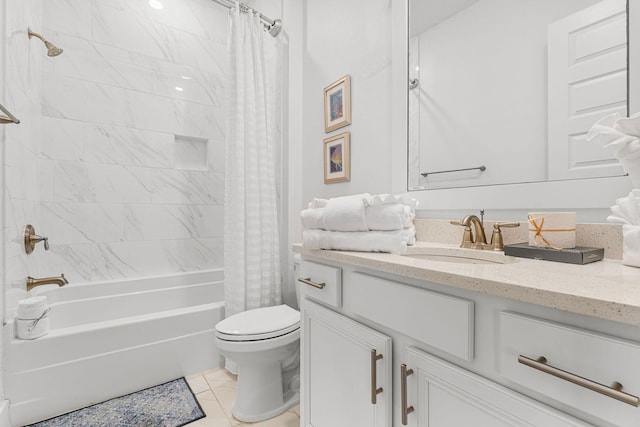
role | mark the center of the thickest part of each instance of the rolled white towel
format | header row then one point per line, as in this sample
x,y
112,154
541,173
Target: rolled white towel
x,y
30,308
346,213
363,241
32,318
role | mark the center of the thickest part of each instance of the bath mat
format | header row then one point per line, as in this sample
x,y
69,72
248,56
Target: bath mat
x,y
171,404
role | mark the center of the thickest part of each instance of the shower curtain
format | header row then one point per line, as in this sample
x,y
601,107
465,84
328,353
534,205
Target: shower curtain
x,y
251,232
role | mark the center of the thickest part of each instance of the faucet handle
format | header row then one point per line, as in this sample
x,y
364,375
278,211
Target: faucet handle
x,y
31,238
497,244
506,224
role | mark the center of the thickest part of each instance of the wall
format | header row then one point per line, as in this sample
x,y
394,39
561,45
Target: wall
x,y
352,38
590,198
4,412
347,38
119,159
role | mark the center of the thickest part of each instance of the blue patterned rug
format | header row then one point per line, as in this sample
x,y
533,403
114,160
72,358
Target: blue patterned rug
x,y
167,405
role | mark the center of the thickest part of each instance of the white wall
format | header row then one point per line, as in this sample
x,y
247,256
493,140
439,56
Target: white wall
x,y
352,38
3,405
590,198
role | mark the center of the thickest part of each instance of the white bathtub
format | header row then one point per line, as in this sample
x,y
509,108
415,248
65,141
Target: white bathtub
x,y
112,338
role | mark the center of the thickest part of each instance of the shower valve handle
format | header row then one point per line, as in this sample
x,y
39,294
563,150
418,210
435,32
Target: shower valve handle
x,y
37,239
31,238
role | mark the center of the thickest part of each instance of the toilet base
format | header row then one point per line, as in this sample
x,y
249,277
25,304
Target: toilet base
x,y
253,418
260,392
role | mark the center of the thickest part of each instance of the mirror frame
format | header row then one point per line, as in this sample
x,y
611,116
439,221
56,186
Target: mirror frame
x,y
592,193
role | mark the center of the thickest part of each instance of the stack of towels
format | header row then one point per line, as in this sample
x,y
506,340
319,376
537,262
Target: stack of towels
x,y
362,222
626,211
622,136
32,318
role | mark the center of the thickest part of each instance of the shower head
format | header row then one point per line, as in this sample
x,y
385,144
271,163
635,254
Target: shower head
x,y
52,50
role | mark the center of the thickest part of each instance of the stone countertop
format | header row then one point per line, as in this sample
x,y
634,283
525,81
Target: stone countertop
x,y
603,289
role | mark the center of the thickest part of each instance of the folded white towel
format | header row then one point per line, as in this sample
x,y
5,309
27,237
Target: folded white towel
x,y
631,245
312,218
363,241
390,198
361,212
388,216
346,213
626,211
317,203
622,136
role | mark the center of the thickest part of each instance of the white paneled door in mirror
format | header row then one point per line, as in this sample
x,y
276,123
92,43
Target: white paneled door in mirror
x,y
493,88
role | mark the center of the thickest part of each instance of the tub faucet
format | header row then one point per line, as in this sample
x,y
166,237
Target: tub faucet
x,y
476,239
33,282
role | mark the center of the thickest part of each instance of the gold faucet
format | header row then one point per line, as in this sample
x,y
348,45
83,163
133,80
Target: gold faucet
x,y
33,282
478,238
473,240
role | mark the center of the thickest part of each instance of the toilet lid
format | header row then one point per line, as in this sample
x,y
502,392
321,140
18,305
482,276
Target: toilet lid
x,y
259,324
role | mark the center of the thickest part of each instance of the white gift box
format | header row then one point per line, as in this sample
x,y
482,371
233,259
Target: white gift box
x,y
555,230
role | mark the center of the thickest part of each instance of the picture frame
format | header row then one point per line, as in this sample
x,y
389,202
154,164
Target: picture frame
x,y
337,158
337,104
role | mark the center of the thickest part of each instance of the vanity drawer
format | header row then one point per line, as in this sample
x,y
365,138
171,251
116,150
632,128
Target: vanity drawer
x,y
320,282
571,356
436,319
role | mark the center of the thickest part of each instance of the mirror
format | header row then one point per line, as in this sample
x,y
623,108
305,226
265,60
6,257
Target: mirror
x,y
504,91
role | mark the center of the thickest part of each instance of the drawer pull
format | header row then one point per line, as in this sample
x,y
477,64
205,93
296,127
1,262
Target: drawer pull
x,y
308,281
615,391
375,390
406,410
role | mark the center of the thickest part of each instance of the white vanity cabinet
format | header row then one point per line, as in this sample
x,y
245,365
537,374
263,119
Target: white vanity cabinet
x,y
346,371
442,394
450,356
346,366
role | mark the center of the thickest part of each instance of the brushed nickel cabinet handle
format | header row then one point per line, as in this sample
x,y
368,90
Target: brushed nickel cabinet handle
x,y
614,391
308,281
406,410
375,390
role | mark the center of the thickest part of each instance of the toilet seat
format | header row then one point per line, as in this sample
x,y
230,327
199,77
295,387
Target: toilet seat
x,y
259,324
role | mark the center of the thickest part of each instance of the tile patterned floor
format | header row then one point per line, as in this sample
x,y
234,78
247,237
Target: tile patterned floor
x,y
216,391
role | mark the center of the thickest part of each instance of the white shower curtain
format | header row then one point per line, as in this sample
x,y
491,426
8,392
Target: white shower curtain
x,y
251,232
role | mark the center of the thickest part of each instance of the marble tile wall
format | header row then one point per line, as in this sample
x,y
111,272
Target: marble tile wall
x,y
93,165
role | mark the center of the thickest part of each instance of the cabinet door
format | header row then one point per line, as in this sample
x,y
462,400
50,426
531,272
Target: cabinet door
x,y
340,362
446,395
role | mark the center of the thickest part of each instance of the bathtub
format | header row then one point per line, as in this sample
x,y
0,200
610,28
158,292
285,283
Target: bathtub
x,y
111,338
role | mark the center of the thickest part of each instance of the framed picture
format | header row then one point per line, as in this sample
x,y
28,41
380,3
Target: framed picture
x,y
337,159
337,104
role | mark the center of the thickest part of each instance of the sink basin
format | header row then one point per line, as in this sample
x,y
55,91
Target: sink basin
x,y
459,255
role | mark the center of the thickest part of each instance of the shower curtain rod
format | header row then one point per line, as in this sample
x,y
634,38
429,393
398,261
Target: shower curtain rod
x,y
272,26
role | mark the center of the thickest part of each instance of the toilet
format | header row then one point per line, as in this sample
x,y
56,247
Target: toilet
x,y
264,343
